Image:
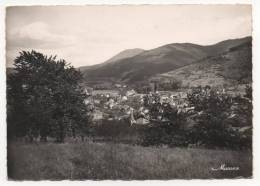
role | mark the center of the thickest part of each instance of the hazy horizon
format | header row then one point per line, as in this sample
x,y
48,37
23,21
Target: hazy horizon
x,y
89,35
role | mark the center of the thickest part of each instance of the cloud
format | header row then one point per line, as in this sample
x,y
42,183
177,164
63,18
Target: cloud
x,y
87,35
38,35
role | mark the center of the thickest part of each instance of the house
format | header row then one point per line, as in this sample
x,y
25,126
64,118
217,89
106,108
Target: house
x,y
97,101
118,85
111,103
87,101
130,93
164,99
124,98
183,95
141,121
111,93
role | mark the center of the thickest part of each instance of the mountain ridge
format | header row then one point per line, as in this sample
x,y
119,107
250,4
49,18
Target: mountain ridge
x,y
159,60
230,68
121,55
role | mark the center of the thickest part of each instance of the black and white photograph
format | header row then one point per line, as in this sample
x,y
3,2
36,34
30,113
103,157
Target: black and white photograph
x,y
129,92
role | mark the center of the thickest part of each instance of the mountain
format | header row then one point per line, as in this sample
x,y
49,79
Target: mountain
x,y
151,63
125,54
122,55
229,68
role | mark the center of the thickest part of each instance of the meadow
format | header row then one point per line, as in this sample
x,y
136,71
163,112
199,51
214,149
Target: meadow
x,y
99,161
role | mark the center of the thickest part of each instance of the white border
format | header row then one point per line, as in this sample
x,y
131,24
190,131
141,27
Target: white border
x,y
256,91
118,2
2,95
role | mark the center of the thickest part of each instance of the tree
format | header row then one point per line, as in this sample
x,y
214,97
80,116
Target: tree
x,y
213,108
217,115
166,123
44,97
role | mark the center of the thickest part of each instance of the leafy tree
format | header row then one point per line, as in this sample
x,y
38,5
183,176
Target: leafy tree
x,y
166,125
44,97
216,115
212,110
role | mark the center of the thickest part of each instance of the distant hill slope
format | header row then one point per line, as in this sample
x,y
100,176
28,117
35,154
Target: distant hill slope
x,y
125,54
122,55
160,60
230,68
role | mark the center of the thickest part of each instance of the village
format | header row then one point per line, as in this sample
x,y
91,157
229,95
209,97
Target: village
x,y
129,105
122,103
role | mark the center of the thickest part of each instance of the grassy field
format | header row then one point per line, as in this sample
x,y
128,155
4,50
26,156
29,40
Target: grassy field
x,y
95,161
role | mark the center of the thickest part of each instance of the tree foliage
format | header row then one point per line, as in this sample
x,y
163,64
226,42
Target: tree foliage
x,y
219,118
44,97
167,122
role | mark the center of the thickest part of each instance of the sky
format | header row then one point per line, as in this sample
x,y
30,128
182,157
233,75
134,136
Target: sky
x,y
88,35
